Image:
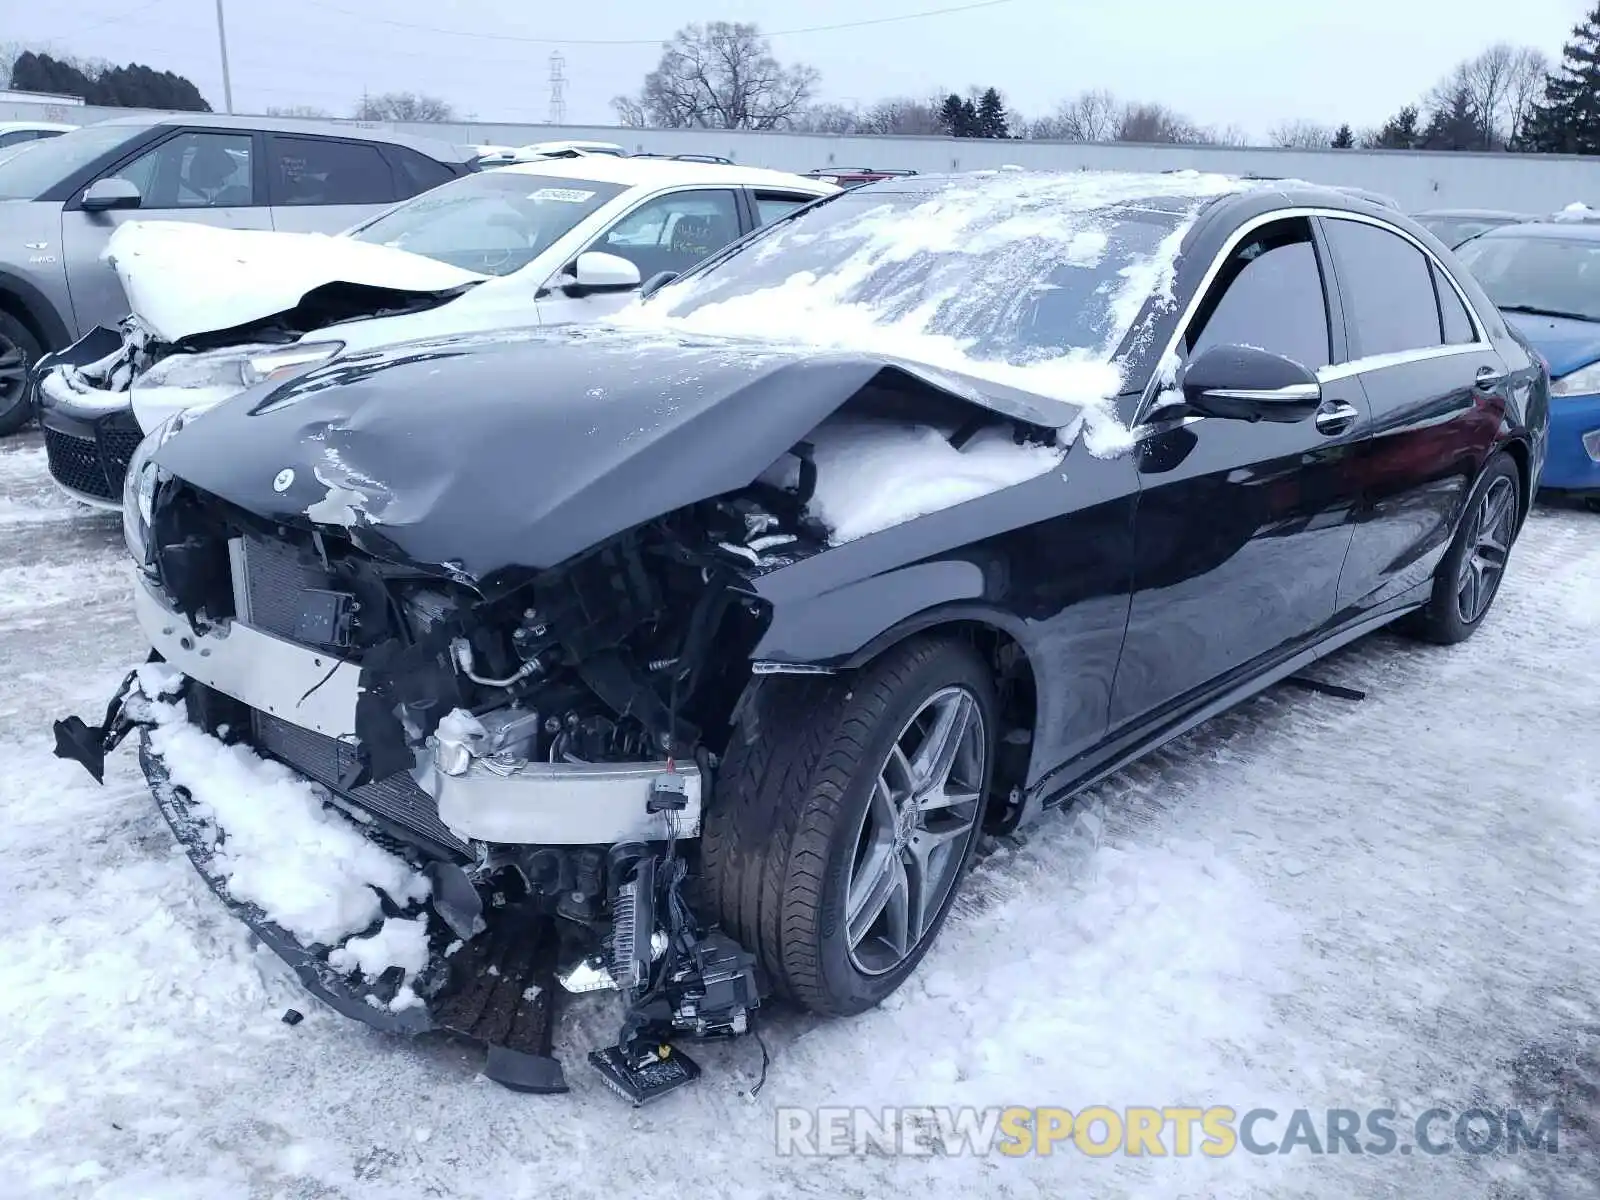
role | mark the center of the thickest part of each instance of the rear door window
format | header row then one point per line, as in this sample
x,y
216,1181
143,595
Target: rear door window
x,y
772,205
324,171
1387,286
1458,329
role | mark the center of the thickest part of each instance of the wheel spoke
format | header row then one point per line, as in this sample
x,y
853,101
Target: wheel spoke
x,y
937,754
897,932
946,797
875,883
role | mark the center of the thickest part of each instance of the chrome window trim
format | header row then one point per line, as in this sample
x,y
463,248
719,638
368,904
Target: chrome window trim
x,y
1334,371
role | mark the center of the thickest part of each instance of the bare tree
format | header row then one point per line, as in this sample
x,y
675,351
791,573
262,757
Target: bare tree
x,y
829,118
1228,135
630,112
297,110
721,75
903,115
403,106
1529,70
1156,123
1301,135
1087,117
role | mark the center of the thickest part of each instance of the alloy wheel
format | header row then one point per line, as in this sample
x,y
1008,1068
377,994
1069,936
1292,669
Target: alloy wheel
x,y
1487,548
920,819
13,371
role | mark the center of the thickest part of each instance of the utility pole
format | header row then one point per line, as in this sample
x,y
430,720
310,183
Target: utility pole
x,y
558,86
222,45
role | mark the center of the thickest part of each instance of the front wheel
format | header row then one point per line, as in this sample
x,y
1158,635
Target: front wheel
x,y
1468,579
18,353
845,816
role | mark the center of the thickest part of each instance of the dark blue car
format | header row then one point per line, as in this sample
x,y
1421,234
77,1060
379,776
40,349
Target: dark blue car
x,y
1545,278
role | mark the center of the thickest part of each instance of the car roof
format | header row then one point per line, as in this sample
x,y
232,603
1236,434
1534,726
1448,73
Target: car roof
x,y
435,148
12,126
1586,231
665,172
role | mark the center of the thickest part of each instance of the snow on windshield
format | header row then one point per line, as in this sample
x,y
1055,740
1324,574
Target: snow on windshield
x,y
1027,279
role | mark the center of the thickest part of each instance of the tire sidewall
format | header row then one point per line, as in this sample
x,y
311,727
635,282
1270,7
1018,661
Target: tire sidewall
x,y
853,990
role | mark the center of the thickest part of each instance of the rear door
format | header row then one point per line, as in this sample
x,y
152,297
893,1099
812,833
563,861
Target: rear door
x,y
1242,528
211,176
325,185
1436,388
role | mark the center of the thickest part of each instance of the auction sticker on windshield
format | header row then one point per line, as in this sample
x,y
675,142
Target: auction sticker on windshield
x,y
565,195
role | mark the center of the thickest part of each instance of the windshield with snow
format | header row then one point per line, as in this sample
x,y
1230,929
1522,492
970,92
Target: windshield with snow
x,y
494,223
48,162
1034,272
1548,276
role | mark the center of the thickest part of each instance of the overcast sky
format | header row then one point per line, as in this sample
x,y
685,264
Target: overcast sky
x,y
1250,63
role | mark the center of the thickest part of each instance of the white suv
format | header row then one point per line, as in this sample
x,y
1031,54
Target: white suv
x,y
539,243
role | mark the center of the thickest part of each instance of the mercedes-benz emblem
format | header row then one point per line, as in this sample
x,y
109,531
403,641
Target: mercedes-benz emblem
x,y
283,480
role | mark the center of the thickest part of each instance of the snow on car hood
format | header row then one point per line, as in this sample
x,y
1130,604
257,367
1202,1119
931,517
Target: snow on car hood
x,y
487,452
182,279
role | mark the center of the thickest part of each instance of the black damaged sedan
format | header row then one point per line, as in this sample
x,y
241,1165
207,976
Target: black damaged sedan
x,y
693,662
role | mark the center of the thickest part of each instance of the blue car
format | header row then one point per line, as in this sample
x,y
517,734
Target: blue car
x,y
1545,278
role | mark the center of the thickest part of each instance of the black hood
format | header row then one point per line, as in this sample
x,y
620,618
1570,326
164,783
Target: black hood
x,y
521,449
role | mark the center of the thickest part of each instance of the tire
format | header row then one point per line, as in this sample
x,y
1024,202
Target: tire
x,y
1454,613
18,352
798,821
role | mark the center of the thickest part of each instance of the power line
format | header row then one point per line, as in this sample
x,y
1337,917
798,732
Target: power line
x,y
546,41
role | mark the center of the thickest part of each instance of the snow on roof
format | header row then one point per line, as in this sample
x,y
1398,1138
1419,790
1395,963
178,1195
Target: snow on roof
x,y
665,172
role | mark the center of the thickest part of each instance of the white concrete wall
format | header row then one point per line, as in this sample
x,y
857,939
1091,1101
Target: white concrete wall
x,y
1420,179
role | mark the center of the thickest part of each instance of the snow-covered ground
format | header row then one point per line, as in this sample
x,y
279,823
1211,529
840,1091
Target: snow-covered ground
x,y
1309,903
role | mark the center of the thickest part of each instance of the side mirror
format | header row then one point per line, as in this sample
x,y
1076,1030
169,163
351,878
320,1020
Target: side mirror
x,y
1242,383
655,283
105,194
596,273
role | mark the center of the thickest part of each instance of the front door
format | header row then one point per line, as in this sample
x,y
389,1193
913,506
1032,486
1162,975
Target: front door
x,y
1242,528
208,176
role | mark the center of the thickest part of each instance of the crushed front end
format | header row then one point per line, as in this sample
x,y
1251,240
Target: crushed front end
x,y
531,753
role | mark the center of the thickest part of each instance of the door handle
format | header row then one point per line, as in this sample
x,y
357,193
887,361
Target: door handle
x,y
1335,417
1489,378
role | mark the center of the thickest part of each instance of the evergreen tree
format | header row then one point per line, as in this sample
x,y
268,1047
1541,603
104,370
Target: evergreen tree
x,y
1344,139
1400,131
132,86
1455,124
1567,119
991,116
958,117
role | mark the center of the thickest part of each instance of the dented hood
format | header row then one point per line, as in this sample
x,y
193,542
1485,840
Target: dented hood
x,y
183,279
483,453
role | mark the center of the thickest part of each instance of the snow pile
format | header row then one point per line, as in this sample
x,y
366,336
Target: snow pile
x,y
283,849
875,474
957,279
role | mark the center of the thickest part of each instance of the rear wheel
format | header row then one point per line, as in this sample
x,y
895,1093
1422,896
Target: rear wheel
x,y
845,816
1468,579
18,352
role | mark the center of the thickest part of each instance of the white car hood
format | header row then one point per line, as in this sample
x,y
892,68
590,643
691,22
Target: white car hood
x,y
182,279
